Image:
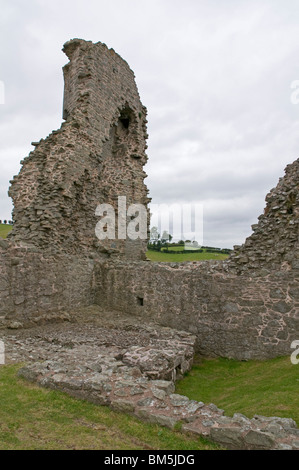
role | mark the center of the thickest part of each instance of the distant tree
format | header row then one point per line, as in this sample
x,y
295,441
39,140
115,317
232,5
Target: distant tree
x,y
5,221
10,222
0,221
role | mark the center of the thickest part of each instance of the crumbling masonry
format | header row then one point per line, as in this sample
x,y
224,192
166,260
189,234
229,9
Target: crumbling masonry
x,y
245,307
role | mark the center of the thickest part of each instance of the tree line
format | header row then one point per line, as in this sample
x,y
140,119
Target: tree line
x,y
164,243
9,222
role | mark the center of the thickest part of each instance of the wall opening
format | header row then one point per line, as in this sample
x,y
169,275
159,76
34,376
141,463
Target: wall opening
x,y
140,301
126,117
125,122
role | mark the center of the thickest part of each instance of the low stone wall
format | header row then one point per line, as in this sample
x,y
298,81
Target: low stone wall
x,y
238,316
38,287
131,366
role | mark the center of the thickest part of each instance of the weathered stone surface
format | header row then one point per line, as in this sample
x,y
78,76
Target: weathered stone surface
x,y
164,385
88,161
254,330
257,439
285,423
160,394
230,437
15,325
156,418
123,406
274,241
3,244
178,400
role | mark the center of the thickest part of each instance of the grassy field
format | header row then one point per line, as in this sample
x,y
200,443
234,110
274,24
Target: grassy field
x,y
180,257
33,418
267,388
4,230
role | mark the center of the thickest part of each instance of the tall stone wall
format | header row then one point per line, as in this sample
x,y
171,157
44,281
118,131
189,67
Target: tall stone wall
x,y
96,156
275,240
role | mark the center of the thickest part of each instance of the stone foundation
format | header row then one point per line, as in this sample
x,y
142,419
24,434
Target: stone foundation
x,y
131,366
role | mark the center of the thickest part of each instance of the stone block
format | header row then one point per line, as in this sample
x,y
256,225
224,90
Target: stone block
x,y
259,440
229,437
123,406
156,418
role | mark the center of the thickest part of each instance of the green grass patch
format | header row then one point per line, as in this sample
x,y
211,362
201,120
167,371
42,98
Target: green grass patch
x,y
268,388
4,230
181,257
33,418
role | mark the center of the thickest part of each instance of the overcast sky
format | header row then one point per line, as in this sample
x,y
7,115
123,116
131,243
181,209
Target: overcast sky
x,y
214,75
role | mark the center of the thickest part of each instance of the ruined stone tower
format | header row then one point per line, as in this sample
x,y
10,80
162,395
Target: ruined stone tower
x,y
96,156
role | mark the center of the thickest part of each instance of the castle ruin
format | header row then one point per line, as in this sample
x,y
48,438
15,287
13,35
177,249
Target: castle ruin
x,y
244,307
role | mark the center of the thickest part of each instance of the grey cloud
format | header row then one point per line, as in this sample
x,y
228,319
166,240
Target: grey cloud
x,y
215,77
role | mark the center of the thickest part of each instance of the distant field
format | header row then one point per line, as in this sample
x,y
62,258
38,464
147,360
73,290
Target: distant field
x,y
4,230
180,257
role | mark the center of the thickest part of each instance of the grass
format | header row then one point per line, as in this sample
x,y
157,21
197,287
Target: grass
x,y
268,388
180,257
4,230
34,418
